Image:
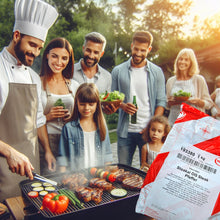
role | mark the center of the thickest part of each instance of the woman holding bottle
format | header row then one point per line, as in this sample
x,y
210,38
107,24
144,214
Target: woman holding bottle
x,y
58,91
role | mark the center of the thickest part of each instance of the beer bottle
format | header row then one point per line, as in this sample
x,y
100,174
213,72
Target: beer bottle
x,y
134,116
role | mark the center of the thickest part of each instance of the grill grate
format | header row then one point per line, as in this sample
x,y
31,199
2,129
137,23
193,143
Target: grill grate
x,y
106,197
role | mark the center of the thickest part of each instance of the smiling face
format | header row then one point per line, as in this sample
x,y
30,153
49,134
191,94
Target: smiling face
x,y
27,48
86,109
139,52
92,53
157,131
58,58
184,63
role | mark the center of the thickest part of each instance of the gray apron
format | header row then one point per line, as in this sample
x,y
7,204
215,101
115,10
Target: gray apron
x,y
18,129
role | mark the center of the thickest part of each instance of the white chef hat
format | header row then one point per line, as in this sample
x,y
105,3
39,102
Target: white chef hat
x,y
34,18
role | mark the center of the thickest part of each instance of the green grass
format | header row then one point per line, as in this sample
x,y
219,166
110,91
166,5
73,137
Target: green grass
x,y
113,137
112,126
112,121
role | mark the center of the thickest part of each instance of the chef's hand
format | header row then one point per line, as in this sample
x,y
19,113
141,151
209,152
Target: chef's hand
x,y
19,163
51,161
56,112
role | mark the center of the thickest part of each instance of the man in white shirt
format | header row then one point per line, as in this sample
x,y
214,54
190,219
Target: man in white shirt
x,y
141,78
87,69
21,112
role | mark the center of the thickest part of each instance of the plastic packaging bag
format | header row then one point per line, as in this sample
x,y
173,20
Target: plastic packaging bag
x,y
195,133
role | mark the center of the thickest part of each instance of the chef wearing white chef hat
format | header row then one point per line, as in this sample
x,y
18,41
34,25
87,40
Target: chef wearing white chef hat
x,y
21,112
34,18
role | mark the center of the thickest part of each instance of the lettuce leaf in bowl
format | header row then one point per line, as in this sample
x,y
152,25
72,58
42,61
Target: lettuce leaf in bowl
x,y
111,96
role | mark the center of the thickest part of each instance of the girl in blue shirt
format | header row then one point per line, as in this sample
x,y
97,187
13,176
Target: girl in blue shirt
x,y
84,141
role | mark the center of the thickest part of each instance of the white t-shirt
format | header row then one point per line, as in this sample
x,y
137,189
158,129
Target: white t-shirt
x,y
138,87
89,149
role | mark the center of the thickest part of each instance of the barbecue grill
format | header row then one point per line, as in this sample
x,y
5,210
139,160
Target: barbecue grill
x,y
109,207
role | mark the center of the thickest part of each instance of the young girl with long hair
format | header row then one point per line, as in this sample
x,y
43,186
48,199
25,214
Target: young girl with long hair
x,y
84,140
155,135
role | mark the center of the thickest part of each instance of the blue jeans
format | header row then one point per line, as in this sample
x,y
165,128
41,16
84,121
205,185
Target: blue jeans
x,y
127,147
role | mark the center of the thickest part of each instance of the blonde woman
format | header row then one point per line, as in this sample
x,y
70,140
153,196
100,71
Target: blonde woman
x,y
187,79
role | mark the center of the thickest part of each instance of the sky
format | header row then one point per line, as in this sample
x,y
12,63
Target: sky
x,y
203,8
200,8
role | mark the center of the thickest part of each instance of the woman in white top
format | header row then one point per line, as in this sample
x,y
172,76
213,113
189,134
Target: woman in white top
x,y
215,111
187,79
57,84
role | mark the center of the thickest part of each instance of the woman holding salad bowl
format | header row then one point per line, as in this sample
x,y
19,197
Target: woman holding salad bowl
x,y
186,83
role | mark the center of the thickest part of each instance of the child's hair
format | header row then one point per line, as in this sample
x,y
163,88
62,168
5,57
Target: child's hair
x,y
161,119
88,93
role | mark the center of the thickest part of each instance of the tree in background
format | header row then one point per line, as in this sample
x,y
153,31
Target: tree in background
x,y
6,21
164,18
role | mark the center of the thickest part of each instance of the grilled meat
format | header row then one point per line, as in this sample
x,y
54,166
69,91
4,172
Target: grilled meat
x,y
87,194
97,195
84,193
133,182
100,183
121,176
74,180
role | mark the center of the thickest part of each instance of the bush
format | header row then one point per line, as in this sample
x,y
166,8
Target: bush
x,y
111,119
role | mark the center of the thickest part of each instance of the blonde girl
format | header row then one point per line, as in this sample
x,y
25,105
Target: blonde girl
x,y
155,135
84,139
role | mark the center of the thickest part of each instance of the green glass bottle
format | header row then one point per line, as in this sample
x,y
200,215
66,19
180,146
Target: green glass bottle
x,y
134,116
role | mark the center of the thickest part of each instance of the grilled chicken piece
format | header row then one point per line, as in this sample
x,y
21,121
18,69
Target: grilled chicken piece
x,y
74,180
134,182
100,183
87,194
97,195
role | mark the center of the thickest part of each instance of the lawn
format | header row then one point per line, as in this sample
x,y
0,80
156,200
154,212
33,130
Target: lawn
x,y
112,121
113,137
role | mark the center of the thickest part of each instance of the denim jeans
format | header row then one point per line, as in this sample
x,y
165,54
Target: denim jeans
x,y
127,147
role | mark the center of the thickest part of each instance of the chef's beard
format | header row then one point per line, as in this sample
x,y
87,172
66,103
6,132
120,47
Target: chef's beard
x,y
21,55
85,58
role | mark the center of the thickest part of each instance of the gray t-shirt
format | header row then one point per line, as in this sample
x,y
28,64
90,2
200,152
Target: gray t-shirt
x,y
102,78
